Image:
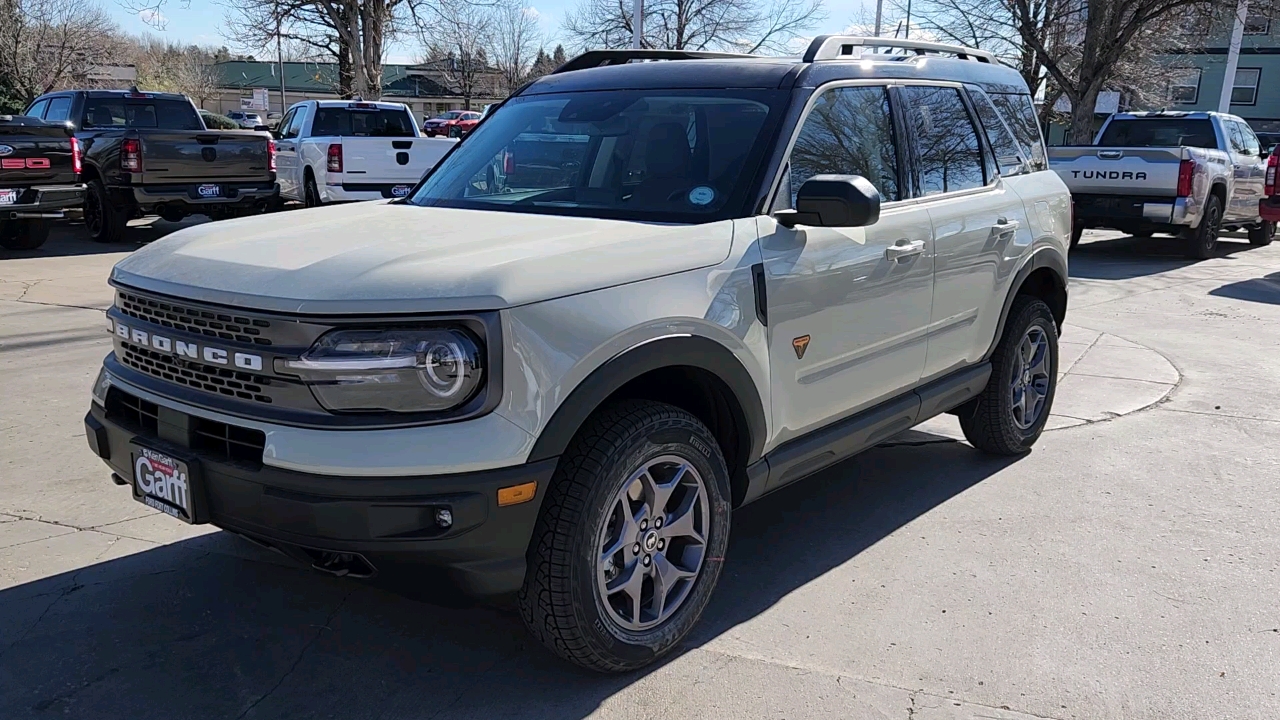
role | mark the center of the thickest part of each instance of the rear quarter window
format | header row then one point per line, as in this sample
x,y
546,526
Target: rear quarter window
x,y
1019,114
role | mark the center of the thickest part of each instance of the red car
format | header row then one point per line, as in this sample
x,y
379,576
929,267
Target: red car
x,y
454,123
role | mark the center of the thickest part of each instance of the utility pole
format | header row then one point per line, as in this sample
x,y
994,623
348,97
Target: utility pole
x,y
280,59
1233,57
637,24
879,14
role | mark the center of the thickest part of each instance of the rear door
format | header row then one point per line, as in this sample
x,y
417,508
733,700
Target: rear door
x,y
978,220
848,315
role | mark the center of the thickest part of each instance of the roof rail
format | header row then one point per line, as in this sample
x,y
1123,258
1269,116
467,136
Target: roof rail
x,y
834,47
598,58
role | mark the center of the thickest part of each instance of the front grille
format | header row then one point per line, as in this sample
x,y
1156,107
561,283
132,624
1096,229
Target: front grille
x,y
238,444
194,320
224,381
132,412
209,438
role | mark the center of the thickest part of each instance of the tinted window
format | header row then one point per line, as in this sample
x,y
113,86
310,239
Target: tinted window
x,y
658,155
59,109
1019,113
352,122
947,151
849,131
161,114
37,110
1009,156
1159,132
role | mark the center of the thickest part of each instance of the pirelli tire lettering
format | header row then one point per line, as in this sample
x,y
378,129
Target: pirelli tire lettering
x,y
189,350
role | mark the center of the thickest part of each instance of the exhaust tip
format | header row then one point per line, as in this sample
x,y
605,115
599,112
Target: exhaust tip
x,y
341,564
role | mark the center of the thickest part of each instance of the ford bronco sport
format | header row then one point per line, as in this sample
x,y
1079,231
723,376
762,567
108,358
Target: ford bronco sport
x,y
638,296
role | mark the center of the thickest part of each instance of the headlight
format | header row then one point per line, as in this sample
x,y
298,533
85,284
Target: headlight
x,y
407,371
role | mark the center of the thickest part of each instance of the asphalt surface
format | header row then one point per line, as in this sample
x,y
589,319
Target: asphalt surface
x,y
1126,568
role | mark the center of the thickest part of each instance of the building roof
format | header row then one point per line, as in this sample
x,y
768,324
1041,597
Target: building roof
x,y
313,77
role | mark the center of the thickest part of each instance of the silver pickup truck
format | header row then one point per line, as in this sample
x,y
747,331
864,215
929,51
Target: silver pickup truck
x,y
1191,174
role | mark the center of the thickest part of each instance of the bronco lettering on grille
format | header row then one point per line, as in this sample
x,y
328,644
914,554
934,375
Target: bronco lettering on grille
x,y
169,346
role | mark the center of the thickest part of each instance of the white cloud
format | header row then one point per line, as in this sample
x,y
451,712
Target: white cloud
x,y
153,17
532,13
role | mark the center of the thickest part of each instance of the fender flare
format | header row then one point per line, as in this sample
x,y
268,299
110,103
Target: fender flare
x,y
679,351
1046,257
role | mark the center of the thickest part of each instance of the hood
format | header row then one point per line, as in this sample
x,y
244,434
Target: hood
x,y
383,258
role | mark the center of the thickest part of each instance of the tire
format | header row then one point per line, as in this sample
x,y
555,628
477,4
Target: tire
x,y
310,194
992,422
1076,232
1262,234
105,222
1203,240
565,601
24,235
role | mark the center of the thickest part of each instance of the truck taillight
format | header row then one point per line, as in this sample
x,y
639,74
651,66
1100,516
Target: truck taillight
x,y
131,155
271,155
1186,172
77,164
335,158
1270,188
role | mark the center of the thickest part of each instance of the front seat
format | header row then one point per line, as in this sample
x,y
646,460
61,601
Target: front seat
x,y
666,163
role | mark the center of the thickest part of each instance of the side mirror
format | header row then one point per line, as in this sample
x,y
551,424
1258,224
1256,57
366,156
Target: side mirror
x,y
833,201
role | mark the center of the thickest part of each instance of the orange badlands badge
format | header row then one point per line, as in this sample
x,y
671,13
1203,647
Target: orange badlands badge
x,y
800,344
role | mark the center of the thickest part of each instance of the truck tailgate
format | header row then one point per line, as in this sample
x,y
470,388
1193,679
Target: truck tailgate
x,y
183,156
1142,171
34,156
391,160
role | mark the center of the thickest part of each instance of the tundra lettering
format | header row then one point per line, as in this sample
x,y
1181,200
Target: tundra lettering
x,y
1108,175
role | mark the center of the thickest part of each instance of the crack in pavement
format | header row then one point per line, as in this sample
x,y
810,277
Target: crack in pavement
x,y
301,655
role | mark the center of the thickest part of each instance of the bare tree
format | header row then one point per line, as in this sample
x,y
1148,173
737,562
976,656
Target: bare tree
x,y
454,35
739,25
513,36
171,67
48,44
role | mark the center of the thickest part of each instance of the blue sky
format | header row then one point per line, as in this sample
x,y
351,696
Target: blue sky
x,y
201,21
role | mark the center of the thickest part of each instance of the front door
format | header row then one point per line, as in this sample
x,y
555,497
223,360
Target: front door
x,y
287,164
848,308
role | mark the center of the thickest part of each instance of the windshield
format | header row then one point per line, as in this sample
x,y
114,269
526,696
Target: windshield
x,y
361,122
1163,132
646,155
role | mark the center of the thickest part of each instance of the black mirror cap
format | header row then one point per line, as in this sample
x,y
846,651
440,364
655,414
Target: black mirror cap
x,y
834,201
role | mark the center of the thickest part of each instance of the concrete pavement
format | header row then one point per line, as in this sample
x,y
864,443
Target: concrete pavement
x,y
1125,568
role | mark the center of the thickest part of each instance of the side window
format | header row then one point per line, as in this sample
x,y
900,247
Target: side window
x,y
59,109
849,131
285,121
1234,139
1009,158
1019,112
947,148
1250,140
37,110
295,126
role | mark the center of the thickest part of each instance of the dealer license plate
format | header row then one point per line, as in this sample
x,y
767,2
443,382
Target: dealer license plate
x,y
163,482
400,190
209,191
8,197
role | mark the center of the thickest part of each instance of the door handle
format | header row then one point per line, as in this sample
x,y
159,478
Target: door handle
x,y
903,249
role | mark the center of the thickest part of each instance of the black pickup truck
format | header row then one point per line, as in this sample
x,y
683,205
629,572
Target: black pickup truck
x,y
150,153
39,179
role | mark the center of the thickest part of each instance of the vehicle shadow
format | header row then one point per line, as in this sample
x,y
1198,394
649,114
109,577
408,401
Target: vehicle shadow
x,y
1127,257
1265,289
211,627
69,238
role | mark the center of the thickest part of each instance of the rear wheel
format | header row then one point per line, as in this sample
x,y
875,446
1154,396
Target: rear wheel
x,y
631,537
23,234
1262,234
310,194
105,222
1203,240
1076,232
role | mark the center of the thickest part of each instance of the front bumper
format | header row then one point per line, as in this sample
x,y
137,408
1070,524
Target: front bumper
x,y
234,195
387,521
44,202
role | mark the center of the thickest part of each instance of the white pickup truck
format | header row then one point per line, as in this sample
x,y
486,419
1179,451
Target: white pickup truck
x,y
1191,174
342,151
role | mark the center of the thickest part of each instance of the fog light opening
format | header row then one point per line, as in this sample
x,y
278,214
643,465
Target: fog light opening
x,y
444,518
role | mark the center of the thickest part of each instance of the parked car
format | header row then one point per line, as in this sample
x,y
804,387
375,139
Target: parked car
x,y
39,178
1191,174
246,119
273,119
559,390
151,154
214,121
454,123
342,151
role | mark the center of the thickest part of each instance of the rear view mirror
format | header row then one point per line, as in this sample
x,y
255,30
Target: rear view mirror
x,y
833,201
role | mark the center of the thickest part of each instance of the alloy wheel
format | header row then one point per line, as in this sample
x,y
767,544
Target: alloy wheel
x,y
1030,382
653,543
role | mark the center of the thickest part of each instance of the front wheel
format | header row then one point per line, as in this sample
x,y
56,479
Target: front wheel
x,y
631,538
1262,234
1009,415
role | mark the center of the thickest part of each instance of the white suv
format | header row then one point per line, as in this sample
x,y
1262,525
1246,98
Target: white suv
x,y
639,295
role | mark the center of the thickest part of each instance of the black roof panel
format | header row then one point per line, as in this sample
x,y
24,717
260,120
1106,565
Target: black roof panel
x,y
671,74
